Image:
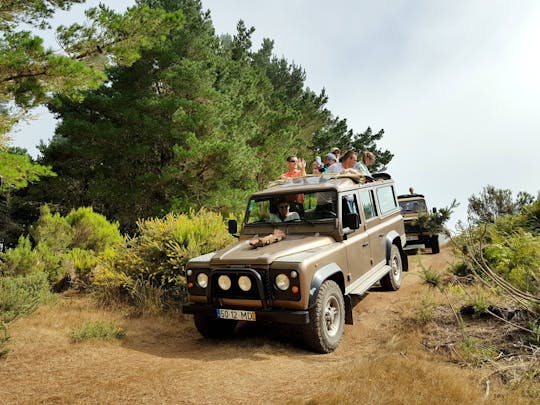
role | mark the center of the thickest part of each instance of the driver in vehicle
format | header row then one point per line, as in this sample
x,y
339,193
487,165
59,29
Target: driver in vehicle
x,y
284,215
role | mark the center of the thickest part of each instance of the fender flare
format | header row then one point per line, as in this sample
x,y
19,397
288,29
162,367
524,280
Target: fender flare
x,y
320,277
390,237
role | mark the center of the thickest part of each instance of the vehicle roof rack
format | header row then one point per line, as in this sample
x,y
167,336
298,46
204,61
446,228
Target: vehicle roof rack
x,y
410,195
381,176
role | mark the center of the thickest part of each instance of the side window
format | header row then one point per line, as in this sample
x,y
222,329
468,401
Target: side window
x,y
366,197
387,199
349,204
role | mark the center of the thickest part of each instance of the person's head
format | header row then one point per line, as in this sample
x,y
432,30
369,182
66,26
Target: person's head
x,y
330,159
336,151
368,158
349,159
411,190
283,207
291,162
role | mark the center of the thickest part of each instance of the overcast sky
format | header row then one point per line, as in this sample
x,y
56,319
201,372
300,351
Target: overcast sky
x,y
454,84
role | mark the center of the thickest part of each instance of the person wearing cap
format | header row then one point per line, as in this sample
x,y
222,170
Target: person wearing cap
x,y
328,161
347,164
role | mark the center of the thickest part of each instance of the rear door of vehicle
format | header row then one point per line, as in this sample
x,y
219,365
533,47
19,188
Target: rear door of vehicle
x,y
357,241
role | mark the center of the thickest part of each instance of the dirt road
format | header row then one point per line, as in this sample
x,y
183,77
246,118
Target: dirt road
x,y
166,361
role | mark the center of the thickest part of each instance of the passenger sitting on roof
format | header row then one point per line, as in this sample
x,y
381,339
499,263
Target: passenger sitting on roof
x,y
346,165
368,159
295,168
284,215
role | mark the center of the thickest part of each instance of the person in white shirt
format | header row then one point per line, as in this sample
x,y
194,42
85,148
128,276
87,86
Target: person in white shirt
x,y
347,164
284,215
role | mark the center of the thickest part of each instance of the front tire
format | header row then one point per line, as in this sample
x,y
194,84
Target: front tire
x,y
392,280
212,328
327,319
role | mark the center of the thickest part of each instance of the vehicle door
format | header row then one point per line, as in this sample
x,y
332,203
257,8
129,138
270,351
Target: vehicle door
x,y
373,226
389,215
356,241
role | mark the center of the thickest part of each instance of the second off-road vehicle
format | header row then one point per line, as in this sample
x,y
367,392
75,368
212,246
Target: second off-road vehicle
x,y
412,207
307,245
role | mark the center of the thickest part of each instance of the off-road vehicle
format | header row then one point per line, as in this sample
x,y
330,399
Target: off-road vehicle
x,y
412,206
344,236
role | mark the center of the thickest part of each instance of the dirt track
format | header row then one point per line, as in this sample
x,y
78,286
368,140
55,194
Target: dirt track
x,y
165,361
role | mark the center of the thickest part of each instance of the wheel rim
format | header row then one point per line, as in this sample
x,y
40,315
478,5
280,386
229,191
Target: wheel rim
x,y
332,316
396,273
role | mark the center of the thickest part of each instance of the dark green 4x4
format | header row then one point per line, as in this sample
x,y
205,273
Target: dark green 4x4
x,y
412,207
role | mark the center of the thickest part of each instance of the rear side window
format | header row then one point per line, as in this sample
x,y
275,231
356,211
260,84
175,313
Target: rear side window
x,y
368,205
387,199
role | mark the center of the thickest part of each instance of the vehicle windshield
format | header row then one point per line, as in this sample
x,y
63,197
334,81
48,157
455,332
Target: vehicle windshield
x,y
292,208
413,206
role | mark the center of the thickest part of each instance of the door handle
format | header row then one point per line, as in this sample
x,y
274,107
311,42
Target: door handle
x,y
365,244
381,235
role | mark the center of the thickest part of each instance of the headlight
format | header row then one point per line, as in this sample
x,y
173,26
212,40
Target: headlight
x,y
282,282
202,280
244,283
224,282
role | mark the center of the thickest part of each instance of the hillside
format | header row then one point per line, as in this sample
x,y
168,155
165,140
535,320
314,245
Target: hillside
x,y
381,359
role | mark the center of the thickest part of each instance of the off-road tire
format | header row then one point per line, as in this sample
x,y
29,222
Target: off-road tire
x,y
327,319
214,328
435,244
392,280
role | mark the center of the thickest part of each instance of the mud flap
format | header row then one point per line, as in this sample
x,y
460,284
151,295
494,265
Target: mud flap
x,y
348,309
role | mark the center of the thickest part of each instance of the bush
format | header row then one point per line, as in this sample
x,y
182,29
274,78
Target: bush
x,y
155,259
97,330
21,260
20,296
92,231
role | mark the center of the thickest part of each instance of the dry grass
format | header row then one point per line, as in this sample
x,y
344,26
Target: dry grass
x,y
382,359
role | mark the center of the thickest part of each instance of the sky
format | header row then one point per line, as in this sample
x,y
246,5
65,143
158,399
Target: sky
x,y
454,84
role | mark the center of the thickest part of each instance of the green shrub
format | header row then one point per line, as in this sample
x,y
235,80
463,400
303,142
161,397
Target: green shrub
x,y
52,231
92,231
430,277
150,266
97,330
21,295
475,351
21,260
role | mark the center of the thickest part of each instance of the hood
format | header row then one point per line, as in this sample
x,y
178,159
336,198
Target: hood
x,y
243,253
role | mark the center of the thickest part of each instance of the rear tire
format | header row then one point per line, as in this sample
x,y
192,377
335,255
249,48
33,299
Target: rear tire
x,y
435,244
212,328
392,280
327,319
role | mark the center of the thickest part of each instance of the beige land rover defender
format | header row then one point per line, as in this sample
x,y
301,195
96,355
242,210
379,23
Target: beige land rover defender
x,y
307,245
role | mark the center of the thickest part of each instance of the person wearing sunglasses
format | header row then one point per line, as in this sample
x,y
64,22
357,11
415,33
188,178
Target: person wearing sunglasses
x,y
295,168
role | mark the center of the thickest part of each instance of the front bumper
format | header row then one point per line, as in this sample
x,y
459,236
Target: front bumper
x,y
273,315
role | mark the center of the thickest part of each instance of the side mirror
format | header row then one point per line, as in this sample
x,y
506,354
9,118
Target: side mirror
x,y
434,210
351,221
233,227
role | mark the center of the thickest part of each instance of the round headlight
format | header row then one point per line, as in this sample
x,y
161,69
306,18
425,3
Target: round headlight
x,y
189,272
224,282
282,282
244,283
202,280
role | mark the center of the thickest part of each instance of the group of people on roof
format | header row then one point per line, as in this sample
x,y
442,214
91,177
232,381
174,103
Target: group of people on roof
x,y
333,163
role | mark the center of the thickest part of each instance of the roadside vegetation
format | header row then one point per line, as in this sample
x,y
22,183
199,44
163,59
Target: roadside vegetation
x,y
484,310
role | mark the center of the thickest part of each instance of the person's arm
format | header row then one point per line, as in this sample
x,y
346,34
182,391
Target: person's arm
x,y
301,164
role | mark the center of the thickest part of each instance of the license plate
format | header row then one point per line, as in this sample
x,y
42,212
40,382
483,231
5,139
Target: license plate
x,y
235,314
409,238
